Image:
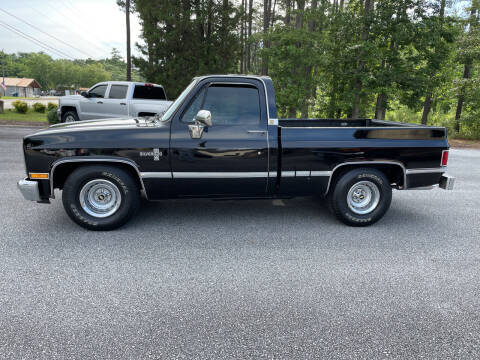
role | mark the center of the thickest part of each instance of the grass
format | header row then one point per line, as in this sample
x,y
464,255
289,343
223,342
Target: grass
x,y
25,98
30,116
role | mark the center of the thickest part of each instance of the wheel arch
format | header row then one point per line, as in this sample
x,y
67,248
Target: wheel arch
x,y
393,170
65,108
64,167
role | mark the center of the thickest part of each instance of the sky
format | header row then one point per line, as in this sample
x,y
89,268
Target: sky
x,y
82,28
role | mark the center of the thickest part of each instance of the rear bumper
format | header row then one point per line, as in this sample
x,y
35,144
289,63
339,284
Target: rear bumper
x,y
447,182
29,190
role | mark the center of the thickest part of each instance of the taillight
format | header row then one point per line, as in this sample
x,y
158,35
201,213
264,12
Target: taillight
x,y
444,157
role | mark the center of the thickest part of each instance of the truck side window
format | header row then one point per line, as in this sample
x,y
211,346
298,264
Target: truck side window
x,y
98,91
149,92
233,104
118,92
194,107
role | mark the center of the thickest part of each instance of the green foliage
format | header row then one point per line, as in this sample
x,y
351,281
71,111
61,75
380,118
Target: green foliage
x,y
66,74
39,107
51,106
52,116
21,107
184,39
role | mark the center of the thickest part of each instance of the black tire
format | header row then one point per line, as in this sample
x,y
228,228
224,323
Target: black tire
x,y
360,179
68,115
124,187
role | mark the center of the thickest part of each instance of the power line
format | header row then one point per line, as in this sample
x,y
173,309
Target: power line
x,y
72,21
43,32
78,33
38,42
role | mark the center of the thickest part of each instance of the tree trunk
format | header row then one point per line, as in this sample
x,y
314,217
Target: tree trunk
x,y
466,75
461,98
267,5
380,107
273,13
242,44
426,108
129,56
249,46
288,12
369,4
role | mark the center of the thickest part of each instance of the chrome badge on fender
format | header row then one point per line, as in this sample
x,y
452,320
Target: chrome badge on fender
x,y
156,153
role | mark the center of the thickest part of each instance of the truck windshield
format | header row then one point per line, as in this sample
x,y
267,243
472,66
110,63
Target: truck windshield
x,y
178,101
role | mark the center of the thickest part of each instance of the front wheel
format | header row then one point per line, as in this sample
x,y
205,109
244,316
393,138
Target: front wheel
x,y
361,197
100,197
69,116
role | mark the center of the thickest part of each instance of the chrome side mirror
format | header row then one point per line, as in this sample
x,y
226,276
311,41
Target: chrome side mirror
x,y
202,119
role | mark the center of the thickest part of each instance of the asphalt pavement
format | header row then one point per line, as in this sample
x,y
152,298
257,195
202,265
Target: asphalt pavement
x,y
242,279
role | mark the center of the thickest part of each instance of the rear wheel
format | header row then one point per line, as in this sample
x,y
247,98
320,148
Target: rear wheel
x,y
100,197
360,197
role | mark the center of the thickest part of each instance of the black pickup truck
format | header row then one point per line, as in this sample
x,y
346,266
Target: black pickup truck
x,y
221,138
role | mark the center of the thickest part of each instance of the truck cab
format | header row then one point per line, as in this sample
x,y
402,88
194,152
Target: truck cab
x,y
114,99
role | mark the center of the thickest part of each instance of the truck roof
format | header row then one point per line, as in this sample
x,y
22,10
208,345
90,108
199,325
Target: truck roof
x,y
260,77
128,83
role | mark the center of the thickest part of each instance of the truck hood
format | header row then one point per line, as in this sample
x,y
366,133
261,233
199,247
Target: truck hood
x,y
69,97
102,133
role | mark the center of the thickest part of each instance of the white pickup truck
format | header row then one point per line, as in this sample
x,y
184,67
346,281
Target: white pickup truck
x,y
114,99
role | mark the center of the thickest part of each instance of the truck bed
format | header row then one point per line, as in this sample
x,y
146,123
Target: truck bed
x,y
341,123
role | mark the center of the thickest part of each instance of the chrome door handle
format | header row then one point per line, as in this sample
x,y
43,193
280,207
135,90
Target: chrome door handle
x,y
257,132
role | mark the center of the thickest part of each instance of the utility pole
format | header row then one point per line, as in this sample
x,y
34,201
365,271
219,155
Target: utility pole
x,y
129,58
3,74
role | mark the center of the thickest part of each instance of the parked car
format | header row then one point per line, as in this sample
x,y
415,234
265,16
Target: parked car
x,y
114,99
221,139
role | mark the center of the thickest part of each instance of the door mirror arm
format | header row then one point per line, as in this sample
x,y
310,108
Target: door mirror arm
x,y
85,94
203,119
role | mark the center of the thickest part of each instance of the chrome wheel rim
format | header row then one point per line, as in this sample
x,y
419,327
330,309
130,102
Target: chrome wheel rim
x,y
363,197
100,198
69,119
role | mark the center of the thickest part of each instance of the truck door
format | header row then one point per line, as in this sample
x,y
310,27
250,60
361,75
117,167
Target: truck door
x,y
231,156
115,105
92,107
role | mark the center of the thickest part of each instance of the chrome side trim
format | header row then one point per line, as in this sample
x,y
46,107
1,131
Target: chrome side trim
x,y
302,173
426,171
321,173
383,162
87,160
288,173
156,175
366,127
218,175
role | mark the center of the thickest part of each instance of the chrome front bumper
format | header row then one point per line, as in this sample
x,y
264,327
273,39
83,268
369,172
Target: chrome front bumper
x,y
447,182
29,190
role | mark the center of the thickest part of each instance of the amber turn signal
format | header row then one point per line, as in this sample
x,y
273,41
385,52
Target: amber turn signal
x,y
38,175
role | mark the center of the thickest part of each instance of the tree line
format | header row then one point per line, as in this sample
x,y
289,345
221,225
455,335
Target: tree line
x,y
328,58
62,74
